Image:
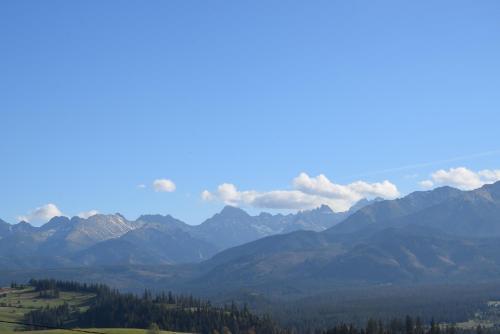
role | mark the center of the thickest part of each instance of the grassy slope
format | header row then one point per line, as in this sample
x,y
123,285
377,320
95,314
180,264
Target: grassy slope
x,y
16,303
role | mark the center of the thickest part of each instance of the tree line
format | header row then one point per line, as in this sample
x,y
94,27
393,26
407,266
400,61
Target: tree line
x,y
111,308
408,325
185,313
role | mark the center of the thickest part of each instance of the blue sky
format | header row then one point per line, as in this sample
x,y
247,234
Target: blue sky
x,y
97,98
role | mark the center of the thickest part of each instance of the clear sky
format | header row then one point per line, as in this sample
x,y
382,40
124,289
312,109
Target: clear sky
x,y
100,97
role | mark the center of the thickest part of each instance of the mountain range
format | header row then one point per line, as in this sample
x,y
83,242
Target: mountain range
x,y
440,236
148,240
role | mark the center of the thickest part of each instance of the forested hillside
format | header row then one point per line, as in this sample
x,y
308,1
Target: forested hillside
x,y
110,308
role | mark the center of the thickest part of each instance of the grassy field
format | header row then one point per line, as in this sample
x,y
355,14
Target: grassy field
x,y
15,303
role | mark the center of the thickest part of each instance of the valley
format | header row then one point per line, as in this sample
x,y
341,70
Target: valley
x,y
403,247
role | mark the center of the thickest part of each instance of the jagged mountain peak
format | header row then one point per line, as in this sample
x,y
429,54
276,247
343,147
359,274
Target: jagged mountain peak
x,y
56,222
493,190
156,218
162,222
323,208
97,228
106,219
58,219
438,193
364,202
104,215
23,226
233,212
120,215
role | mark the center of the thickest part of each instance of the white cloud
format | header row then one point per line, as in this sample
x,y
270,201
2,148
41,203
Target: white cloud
x,y
309,192
141,186
206,195
164,185
427,184
489,176
42,214
462,178
87,214
321,185
294,199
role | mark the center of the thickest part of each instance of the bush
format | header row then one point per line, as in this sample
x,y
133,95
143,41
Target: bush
x,y
153,329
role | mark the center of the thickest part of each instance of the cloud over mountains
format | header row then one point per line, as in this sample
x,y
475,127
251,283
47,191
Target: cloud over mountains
x,y
87,214
462,178
42,213
308,192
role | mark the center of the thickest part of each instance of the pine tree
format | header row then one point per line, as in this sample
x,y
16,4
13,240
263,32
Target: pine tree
x,y
409,325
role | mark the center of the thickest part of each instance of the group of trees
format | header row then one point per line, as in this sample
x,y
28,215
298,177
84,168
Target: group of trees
x,y
407,325
113,309
58,316
14,285
444,304
167,311
51,284
110,308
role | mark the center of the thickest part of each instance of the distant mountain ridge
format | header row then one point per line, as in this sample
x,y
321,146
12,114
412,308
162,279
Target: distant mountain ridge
x,y
150,239
440,236
443,235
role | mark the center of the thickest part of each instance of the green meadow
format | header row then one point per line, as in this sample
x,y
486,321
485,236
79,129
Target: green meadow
x,y
15,303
